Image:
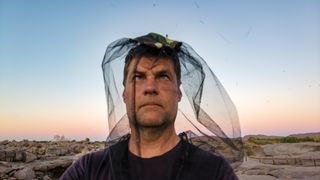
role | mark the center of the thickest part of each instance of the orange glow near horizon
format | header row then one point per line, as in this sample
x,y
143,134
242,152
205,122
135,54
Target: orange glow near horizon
x,y
94,125
283,114
40,126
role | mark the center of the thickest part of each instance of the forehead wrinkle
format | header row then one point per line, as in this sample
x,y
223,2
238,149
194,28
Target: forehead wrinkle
x,y
155,66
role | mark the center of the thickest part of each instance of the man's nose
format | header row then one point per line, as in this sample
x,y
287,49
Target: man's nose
x,y
150,87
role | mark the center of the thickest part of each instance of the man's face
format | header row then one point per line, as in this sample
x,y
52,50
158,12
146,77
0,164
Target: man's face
x,y
151,92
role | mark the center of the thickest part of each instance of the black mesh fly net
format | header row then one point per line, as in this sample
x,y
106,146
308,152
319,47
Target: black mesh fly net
x,y
206,113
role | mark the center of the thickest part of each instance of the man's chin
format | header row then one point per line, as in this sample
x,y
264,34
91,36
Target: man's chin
x,y
151,124
152,120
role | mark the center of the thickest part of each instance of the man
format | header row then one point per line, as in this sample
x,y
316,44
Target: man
x,y
153,150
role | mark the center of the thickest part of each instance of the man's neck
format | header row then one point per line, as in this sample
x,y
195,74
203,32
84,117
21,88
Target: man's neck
x,y
151,142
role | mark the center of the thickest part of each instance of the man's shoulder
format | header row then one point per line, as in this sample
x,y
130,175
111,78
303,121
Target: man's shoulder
x,y
103,153
207,165
95,156
203,156
89,166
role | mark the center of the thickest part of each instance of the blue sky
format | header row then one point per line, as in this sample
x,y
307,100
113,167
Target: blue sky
x,y
265,53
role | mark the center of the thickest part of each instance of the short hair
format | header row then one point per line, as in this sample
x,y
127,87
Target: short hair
x,y
150,51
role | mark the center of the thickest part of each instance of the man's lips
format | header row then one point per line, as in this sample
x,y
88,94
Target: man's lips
x,y
151,104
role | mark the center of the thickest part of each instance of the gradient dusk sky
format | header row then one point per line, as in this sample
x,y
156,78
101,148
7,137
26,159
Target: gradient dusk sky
x,y
265,53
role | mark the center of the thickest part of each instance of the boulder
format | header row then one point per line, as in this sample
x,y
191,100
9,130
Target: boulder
x,y
57,151
4,142
29,157
46,177
76,148
26,173
18,156
2,155
10,154
41,151
4,170
49,165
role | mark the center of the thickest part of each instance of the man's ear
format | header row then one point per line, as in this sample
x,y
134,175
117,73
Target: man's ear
x,y
179,96
124,96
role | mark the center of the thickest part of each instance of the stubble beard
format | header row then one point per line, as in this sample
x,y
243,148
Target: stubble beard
x,y
160,124
153,130
165,122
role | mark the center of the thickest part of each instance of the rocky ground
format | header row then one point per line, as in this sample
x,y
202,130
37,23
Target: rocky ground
x,y
49,159
41,160
252,169
292,161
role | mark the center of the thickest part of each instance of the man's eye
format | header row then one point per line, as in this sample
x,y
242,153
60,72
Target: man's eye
x,y
164,76
137,77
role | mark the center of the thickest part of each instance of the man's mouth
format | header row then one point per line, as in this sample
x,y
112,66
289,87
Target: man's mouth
x,y
150,104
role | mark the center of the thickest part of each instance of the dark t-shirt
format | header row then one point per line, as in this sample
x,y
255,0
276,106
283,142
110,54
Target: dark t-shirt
x,y
184,162
155,168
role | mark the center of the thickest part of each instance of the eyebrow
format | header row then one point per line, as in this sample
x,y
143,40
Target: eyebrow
x,y
166,71
156,69
138,72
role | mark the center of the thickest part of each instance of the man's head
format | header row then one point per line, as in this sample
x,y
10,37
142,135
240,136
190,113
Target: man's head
x,y
151,81
151,93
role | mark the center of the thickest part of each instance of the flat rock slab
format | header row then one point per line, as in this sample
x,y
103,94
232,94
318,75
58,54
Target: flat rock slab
x,y
49,165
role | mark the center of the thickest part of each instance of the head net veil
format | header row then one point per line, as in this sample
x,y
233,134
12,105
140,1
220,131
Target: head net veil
x,y
206,112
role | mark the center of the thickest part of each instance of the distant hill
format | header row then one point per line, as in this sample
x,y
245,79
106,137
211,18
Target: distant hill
x,y
302,135
260,136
